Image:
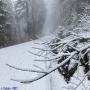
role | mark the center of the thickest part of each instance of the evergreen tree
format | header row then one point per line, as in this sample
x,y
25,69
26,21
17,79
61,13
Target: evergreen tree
x,y
3,25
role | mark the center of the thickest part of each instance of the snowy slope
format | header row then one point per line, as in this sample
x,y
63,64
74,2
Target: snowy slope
x,y
19,56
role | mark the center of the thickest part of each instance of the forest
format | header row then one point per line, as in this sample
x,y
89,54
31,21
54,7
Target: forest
x,y
25,20
66,22
21,20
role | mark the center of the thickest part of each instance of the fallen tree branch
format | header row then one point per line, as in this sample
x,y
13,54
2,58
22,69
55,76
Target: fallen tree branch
x,y
64,41
48,72
67,42
61,43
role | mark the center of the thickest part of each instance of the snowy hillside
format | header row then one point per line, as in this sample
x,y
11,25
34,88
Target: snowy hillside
x,y
19,56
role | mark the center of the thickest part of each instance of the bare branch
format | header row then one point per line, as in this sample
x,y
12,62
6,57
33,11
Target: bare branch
x,y
73,48
49,49
38,55
67,42
56,58
26,70
64,42
41,43
61,43
41,49
48,72
88,50
84,48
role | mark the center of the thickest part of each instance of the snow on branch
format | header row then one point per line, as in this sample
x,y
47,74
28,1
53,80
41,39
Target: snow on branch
x,y
84,48
68,40
73,48
64,54
48,72
55,58
38,55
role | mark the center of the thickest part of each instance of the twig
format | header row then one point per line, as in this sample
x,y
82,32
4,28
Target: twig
x,y
38,55
73,48
84,48
41,49
55,58
49,49
88,50
26,70
64,42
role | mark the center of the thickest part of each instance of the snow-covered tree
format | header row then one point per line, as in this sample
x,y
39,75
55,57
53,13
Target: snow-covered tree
x,y
30,18
4,25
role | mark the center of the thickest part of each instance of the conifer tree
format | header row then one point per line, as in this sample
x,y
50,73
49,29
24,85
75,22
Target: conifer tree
x,y
4,26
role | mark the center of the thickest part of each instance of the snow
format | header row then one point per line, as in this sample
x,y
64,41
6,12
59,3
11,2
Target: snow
x,y
19,56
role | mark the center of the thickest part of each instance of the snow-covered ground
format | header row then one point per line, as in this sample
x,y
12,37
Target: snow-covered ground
x,y
19,56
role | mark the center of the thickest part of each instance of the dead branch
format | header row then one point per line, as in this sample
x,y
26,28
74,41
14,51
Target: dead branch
x,y
62,44
55,58
26,70
73,48
67,42
84,48
48,72
40,49
38,55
